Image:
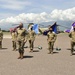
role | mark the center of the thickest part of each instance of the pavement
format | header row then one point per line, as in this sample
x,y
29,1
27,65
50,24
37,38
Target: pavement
x,y
39,62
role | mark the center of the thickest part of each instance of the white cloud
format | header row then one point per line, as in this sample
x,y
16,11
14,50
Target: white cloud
x,y
29,17
68,14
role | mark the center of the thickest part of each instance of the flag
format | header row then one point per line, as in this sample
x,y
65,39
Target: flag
x,y
13,29
73,24
54,27
35,28
45,32
69,30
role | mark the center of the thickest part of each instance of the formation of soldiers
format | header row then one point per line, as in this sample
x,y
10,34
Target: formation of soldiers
x,y
20,37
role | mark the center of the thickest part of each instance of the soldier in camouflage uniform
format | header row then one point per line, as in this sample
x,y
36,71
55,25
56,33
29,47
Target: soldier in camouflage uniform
x,y
21,39
31,38
51,40
14,39
72,36
1,38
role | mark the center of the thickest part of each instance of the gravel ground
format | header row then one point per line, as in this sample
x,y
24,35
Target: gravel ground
x,y
38,62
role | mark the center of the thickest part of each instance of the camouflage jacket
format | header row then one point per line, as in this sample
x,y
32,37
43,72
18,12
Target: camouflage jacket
x,y
51,37
21,34
1,35
14,36
72,36
31,35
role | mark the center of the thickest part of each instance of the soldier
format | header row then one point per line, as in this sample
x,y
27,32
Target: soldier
x,y
51,40
14,39
21,34
31,38
72,36
1,38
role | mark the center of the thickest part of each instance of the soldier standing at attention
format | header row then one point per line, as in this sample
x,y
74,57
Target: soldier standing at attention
x,y
31,38
14,39
1,38
51,40
72,36
21,39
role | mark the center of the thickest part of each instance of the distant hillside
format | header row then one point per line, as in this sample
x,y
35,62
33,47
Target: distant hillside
x,y
62,23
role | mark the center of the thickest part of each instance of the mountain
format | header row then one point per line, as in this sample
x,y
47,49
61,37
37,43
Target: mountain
x,y
63,25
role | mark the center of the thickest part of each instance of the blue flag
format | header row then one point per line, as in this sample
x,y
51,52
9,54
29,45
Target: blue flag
x,y
72,27
68,30
73,24
45,32
35,28
54,27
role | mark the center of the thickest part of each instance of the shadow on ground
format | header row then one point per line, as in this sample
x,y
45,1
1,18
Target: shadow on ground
x,y
36,51
68,48
3,48
55,52
73,54
28,57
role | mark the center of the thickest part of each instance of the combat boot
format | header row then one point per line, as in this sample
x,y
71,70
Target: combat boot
x,y
71,52
19,56
49,52
0,46
31,50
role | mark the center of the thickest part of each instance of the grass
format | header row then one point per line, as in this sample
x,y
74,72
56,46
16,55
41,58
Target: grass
x,y
6,33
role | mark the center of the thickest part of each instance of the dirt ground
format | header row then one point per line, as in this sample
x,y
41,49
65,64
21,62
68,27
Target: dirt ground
x,y
39,62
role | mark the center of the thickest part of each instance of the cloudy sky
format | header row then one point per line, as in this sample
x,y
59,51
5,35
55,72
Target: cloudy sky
x,y
15,11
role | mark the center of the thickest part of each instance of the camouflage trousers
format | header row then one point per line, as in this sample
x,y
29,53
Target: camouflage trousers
x,y
14,45
72,46
21,46
50,46
0,44
31,44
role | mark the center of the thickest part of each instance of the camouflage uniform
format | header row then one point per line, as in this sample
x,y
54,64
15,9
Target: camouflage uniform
x,y
14,39
51,39
21,40
72,36
1,38
31,38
